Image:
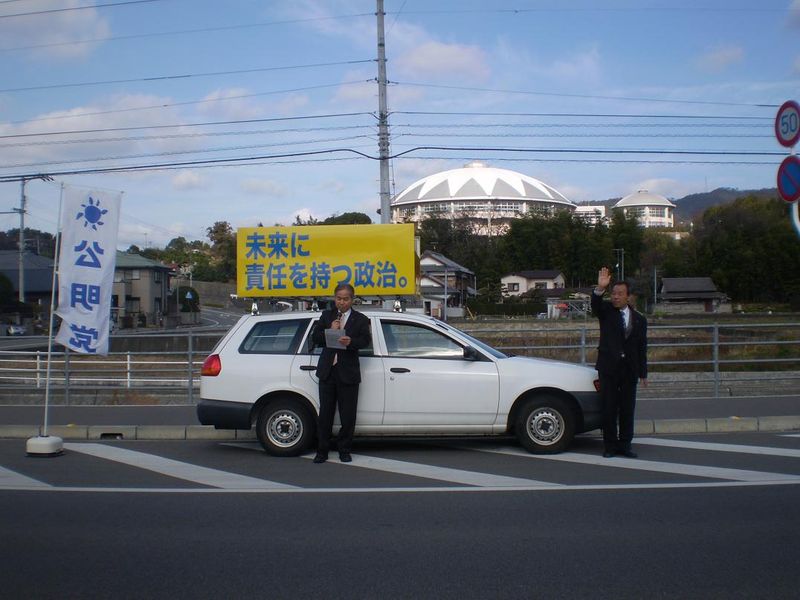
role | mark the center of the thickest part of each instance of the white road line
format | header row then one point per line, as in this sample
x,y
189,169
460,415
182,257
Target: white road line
x,y
741,448
791,435
441,473
11,479
174,468
649,465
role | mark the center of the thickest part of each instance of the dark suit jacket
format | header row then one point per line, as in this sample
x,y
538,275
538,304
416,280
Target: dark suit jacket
x,y
614,344
358,328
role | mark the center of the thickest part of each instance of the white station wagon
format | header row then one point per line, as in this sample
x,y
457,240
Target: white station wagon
x,y
420,377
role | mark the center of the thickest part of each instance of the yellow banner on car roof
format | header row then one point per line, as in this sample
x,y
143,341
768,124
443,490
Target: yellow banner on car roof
x,y
311,260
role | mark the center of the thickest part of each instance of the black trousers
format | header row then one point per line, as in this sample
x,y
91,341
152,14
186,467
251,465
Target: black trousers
x,y
333,393
618,395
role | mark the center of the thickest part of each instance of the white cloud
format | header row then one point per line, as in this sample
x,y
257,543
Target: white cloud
x,y
434,59
62,28
669,188
581,66
304,214
188,180
721,57
262,187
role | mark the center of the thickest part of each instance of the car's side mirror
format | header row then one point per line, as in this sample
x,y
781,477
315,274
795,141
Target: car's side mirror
x,y
470,353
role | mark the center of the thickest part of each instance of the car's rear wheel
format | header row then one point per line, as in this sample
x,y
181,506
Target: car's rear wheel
x,y
545,425
285,427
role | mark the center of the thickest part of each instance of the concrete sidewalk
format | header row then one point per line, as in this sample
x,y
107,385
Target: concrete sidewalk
x,y
201,432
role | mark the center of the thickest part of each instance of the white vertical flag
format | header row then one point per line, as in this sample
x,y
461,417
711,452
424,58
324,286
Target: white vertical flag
x,y
87,257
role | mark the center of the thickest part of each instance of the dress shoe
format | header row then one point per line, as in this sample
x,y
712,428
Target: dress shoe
x,y
320,458
608,453
628,453
345,457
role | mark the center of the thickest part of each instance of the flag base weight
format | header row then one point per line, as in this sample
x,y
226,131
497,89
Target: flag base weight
x,y
44,445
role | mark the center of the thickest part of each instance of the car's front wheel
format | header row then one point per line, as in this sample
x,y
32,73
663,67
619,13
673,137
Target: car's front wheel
x,y
545,425
285,427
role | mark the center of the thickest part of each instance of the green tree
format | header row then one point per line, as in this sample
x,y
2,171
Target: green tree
x,y
750,250
223,250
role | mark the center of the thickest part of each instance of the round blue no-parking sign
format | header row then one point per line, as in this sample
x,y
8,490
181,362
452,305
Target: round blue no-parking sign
x,y
789,179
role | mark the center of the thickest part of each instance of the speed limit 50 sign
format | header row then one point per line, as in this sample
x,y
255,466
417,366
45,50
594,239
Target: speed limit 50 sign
x,y
787,124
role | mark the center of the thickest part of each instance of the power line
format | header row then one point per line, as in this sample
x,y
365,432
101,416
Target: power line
x,y
184,76
583,96
571,114
72,8
190,102
248,159
185,31
201,124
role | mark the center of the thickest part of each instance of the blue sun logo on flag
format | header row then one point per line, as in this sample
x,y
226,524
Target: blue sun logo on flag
x,y
92,213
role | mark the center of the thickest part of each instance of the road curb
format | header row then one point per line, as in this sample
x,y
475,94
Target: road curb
x,y
205,432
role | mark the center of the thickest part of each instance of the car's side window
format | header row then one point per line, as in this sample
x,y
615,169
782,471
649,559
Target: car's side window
x,y
274,337
417,341
317,350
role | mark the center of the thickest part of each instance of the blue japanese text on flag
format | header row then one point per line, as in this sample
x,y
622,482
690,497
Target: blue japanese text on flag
x,y
87,257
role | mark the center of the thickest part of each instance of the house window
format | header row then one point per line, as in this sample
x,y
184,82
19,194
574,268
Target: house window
x,y
118,276
540,285
157,276
135,274
513,287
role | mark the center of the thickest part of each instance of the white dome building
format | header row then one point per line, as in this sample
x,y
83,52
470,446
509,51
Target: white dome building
x,y
489,196
650,209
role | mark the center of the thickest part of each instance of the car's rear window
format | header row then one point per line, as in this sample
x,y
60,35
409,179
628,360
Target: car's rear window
x,y
274,337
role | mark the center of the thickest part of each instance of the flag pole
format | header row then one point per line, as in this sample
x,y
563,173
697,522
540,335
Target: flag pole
x,y
44,444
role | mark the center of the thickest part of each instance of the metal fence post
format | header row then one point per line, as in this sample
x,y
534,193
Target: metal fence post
x,y
38,369
191,366
66,376
128,369
583,345
715,350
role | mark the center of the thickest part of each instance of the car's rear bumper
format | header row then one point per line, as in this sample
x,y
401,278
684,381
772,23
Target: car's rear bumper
x,y
224,415
592,409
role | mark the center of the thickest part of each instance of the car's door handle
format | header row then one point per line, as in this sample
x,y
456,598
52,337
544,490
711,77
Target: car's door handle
x,y
400,370
308,368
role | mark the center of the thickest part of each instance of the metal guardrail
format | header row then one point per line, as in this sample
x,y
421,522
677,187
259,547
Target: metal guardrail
x,y
716,358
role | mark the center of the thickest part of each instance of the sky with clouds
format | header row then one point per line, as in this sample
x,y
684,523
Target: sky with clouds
x,y
256,112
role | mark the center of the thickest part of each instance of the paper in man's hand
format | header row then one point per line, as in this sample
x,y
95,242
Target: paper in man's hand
x,y
332,338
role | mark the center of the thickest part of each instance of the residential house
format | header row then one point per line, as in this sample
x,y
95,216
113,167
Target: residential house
x,y
444,282
139,293
685,295
517,284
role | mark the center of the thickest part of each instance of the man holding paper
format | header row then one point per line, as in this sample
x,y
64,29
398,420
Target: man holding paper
x,y
341,332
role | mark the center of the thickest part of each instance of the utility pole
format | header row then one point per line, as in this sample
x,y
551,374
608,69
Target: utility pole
x,y
383,120
21,278
620,254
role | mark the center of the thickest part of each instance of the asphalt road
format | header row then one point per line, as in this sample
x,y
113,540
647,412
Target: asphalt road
x,y
705,516
678,408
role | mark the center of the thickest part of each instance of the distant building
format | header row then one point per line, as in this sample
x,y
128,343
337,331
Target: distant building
x,y
651,210
488,197
517,284
139,293
444,282
38,277
593,214
686,295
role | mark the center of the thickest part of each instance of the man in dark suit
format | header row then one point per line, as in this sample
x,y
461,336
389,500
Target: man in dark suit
x,y
339,371
621,362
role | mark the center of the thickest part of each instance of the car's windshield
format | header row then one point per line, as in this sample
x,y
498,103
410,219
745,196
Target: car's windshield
x,y
477,343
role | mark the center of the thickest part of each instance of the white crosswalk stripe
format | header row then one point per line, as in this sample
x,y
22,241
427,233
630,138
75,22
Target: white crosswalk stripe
x,y
399,467
649,465
177,469
12,480
740,448
475,478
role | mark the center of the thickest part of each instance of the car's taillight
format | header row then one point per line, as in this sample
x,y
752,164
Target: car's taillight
x,y
596,384
212,366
